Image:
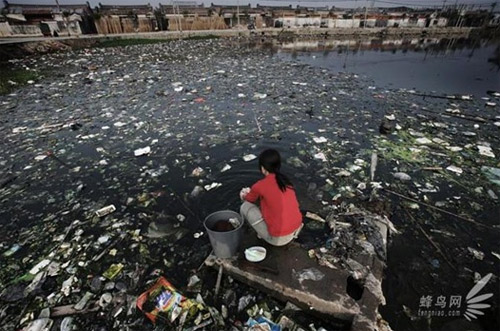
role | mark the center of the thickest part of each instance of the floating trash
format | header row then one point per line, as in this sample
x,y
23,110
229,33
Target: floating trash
x,y
455,169
249,157
113,271
105,210
212,186
319,140
486,151
142,151
401,176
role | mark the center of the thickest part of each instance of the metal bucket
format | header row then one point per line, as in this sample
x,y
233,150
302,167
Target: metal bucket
x,y
225,244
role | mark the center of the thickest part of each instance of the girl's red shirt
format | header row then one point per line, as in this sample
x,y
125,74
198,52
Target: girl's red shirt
x,y
280,210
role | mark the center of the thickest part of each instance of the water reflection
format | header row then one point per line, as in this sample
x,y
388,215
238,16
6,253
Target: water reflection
x,y
445,65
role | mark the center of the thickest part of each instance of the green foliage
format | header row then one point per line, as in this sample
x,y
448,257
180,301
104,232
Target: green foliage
x,y
129,42
402,149
202,37
12,78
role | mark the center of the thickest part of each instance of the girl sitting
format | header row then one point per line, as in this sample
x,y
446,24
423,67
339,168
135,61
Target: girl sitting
x,y
279,220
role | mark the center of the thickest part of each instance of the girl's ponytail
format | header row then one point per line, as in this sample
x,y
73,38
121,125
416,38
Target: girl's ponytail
x,y
282,181
270,160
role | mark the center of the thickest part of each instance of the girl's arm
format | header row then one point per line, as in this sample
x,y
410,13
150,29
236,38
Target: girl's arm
x,y
253,195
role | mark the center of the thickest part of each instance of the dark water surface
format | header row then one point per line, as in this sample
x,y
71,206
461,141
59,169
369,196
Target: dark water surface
x,y
455,65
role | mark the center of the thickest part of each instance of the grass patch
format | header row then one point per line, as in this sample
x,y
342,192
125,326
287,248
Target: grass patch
x,y
202,37
14,78
129,42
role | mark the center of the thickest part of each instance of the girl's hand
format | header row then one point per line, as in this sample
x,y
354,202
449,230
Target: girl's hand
x,y
243,193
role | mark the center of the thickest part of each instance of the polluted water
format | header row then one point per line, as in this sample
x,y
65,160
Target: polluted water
x,y
112,159
226,225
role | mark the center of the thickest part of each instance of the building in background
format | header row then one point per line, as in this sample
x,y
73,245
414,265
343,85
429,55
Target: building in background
x,y
54,20
46,20
243,15
186,15
113,19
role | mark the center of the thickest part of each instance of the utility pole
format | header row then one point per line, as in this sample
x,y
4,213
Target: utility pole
x,y
176,10
366,12
458,13
180,16
238,12
64,18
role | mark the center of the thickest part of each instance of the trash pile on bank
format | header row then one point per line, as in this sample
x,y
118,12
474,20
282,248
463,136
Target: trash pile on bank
x,y
111,163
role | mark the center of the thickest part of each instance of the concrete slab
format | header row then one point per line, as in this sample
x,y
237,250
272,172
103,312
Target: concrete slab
x,y
277,275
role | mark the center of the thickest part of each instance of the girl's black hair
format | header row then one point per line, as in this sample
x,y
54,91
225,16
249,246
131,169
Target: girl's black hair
x,y
270,159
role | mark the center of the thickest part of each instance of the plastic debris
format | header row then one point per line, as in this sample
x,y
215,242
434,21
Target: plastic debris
x,y
83,302
308,274
193,280
492,194
11,251
41,265
142,151
197,172
455,169
105,300
261,323
105,211
401,176
225,168
343,173
260,96
476,253
319,140
113,271
67,324
320,156
249,157
162,301
485,150
315,217
212,186
423,141
245,301
66,285
493,174
39,324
